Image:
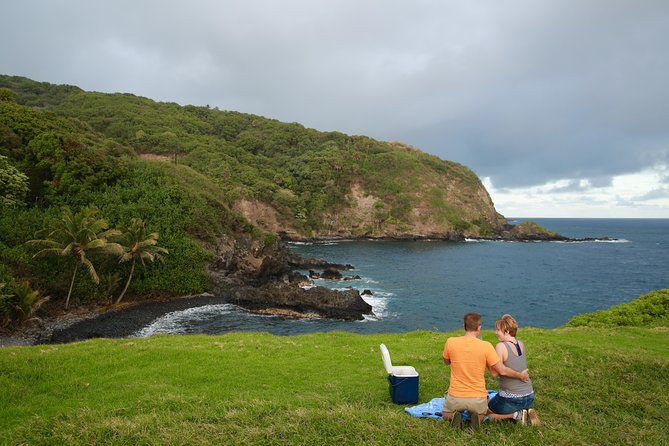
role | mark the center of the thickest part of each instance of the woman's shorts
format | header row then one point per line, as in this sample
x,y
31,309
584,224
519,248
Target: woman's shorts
x,y
503,405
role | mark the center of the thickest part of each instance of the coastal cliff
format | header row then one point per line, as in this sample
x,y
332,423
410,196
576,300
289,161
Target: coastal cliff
x,y
223,189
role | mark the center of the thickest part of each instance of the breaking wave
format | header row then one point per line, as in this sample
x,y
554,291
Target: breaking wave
x,y
184,321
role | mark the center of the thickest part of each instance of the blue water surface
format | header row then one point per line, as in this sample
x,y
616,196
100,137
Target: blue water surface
x,y
431,284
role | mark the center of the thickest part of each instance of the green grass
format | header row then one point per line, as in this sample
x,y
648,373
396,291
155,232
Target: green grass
x,y
593,386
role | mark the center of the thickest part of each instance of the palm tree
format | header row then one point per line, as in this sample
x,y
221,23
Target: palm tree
x,y
137,244
23,304
76,235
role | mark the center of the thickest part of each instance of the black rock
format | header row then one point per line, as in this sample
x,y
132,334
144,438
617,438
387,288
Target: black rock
x,y
331,274
323,301
295,277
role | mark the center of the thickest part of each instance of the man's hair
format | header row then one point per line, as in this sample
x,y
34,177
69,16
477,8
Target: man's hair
x,y
472,321
507,324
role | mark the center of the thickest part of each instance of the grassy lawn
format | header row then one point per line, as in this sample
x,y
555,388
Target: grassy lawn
x,y
593,386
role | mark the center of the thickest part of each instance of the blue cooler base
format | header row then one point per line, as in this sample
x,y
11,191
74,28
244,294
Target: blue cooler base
x,y
403,390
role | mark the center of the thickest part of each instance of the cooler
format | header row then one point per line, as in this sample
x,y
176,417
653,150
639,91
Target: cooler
x,y
402,380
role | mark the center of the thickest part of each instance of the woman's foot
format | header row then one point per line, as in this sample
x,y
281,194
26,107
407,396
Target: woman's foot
x,y
520,416
534,417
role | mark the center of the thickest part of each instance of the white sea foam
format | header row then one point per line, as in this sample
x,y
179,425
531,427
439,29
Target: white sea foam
x,y
379,302
620,240
174,322
476,240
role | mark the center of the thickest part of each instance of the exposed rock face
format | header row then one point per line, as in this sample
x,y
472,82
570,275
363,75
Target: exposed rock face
x,y
256,277
322,301
449,208
242,261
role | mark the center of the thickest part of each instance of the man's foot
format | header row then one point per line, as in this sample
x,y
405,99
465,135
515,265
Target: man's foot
x,y
475,422
520,416
456,421
534,417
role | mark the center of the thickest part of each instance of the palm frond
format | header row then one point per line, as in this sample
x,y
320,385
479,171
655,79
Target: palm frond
x,y
48,252
91,270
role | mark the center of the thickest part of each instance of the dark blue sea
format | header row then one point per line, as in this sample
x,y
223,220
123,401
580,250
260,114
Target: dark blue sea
x,y
431,284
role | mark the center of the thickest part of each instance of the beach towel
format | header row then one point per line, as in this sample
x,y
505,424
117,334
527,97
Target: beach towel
x,y
433,408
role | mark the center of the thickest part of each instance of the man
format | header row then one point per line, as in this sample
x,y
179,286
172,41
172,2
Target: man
x,y
468,357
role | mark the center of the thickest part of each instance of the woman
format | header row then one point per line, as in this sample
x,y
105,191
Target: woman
x,y
515,398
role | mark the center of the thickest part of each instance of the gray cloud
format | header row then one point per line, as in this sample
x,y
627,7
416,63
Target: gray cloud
x,y
655,194
524,92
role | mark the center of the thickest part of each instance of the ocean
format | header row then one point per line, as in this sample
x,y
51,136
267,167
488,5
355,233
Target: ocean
x,y
430,285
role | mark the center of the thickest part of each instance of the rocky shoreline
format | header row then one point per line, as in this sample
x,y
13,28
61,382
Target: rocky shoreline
x,y
270,284
279,291
119,322
281,300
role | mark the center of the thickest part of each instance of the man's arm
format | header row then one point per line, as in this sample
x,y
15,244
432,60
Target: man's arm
x,y
500,350
446,361
503,370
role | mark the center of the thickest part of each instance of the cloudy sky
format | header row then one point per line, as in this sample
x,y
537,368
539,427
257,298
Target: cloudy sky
x,y
560,106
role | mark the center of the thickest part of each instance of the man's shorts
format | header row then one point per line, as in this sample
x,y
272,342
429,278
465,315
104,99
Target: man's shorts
x,y
455,403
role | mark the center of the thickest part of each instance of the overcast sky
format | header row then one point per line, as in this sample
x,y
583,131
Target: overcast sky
x,y
561,107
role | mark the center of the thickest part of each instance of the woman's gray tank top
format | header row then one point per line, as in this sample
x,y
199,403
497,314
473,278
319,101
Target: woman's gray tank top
x,y
511,385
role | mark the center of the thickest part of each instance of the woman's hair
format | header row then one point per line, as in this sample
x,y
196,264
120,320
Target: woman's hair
x,y
507,324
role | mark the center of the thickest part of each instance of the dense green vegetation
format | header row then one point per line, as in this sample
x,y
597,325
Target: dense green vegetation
x,y
62,146
593,386
649,310
302,173
67,163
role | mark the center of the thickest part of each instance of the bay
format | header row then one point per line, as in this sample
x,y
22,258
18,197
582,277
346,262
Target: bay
x,y
430,285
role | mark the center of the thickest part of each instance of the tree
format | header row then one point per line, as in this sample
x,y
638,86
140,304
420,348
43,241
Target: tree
x,y
13,184
7,95
76,236
137,244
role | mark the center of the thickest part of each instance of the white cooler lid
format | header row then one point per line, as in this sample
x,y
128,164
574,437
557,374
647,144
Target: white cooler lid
x,y
385,355
404,370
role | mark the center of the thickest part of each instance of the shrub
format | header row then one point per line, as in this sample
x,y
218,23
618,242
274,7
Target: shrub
x,y
21,306
651,309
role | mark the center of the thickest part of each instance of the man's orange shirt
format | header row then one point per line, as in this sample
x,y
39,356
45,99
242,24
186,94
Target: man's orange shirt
x,y
469,358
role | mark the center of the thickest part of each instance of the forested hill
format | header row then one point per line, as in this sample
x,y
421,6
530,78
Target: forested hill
x,y
282,176
217,186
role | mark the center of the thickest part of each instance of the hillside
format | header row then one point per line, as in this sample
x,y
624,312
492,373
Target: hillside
x,y
284,177
220,188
